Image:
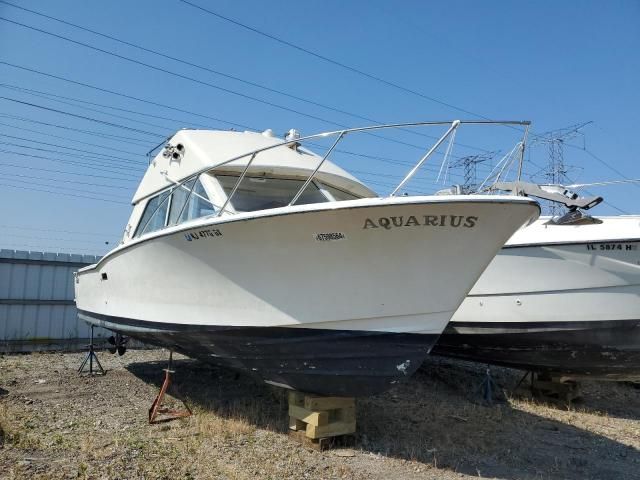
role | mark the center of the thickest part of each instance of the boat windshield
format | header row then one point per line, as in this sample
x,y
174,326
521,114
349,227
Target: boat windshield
x,y
261,193
174,206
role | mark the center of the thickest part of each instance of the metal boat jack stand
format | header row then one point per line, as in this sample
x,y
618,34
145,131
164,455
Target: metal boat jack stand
x,y
158,413
487,388
322,422
549,387
90,358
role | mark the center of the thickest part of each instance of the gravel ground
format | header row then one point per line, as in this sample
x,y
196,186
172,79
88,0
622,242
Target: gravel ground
x,y
57,424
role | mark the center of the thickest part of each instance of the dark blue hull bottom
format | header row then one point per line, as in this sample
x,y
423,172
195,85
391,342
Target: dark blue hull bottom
x,y
324,362
602,349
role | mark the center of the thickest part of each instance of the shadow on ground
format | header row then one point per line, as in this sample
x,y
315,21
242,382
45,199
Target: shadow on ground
x,y
435,418
613,399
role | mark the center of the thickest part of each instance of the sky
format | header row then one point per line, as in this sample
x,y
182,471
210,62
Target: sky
x,y
71,154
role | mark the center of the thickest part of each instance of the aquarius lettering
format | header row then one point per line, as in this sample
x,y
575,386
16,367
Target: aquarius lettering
x,y
454,221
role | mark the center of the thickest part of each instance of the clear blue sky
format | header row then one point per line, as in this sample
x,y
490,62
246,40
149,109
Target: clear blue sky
x,y
555,63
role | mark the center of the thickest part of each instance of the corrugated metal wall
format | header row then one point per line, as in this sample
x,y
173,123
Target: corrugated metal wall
x,y
37,308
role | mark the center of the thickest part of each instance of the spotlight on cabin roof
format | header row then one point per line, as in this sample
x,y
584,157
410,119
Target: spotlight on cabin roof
x,y
293,134
269,133
174,152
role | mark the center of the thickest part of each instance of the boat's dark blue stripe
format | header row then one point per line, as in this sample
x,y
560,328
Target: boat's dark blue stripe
x,y
572,242
560,325
230,329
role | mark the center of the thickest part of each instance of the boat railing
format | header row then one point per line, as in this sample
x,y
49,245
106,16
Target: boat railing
x,y
453,125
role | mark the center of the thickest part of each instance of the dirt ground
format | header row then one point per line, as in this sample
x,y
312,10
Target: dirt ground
x,y
57,424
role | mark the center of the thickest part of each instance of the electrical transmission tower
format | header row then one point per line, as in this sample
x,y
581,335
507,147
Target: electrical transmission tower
x,y
555,171
469,164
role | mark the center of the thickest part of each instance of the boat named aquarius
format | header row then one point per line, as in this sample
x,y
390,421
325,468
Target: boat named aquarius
x,y
253,252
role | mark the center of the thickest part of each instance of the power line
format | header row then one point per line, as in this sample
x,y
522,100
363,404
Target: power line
x,y
38,72
114,163
48,185
57,192
98,154
40,132
169,72
202,82
191,64
398,162
48,97
48,94
127,162
104,185
17,227
606,164
123,95
82,117
140,113
70,162
50,248
83,242
27,167
215,72
334,62
106,136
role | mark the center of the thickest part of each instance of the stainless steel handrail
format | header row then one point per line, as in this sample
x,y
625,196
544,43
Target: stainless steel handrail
x,y
235,187
453,125
310,179
186,200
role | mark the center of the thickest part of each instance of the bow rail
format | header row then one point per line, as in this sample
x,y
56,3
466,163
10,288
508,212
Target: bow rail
x,y
340,134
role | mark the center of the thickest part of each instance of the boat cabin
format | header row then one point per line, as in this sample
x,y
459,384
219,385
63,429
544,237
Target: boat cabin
x,y
196,172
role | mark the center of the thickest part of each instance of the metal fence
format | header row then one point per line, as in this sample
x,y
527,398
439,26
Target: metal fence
x,y
37,307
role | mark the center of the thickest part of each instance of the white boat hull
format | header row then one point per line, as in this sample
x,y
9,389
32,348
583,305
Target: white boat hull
x,y
555,300
333,298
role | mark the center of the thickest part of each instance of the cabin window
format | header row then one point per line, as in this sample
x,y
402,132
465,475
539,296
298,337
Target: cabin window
x,y
174,206
198,204
339,195
178,200
155,214
261,193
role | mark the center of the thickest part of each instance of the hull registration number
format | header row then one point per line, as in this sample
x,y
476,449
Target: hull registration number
x,y
612,246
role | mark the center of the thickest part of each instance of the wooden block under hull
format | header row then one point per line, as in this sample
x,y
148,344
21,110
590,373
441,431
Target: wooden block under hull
x,y
321,417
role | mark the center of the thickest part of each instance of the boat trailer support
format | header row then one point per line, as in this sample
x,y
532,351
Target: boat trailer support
x,y
549,387
157,409
487,387
91,357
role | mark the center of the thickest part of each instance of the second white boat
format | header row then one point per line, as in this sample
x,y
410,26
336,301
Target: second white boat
x,y
561,297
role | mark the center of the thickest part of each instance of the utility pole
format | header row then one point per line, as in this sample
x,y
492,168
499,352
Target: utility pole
x,y
555,171
469,165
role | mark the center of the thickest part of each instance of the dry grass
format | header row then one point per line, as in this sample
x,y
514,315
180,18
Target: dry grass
x,y
59,425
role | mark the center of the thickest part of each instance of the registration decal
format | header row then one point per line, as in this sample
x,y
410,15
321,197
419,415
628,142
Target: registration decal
x,y
204,233
329,236
612,246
